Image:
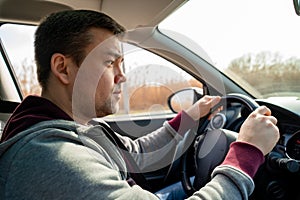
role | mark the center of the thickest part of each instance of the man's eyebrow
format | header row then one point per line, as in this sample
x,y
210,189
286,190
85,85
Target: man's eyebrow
x,y
115,54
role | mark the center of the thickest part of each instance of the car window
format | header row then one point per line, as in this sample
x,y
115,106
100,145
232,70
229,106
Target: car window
x,y
18,40
255,42
150,78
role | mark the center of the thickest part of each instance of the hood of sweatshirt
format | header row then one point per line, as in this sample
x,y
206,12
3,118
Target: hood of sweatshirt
x,y
32,110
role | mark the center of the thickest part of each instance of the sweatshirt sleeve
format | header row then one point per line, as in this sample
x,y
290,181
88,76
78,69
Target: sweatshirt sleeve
x,y
227,183
234,174
154,150
245,157
158,149
182,122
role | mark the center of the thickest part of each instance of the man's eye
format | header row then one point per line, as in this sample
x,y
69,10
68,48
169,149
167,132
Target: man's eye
x,y
109,62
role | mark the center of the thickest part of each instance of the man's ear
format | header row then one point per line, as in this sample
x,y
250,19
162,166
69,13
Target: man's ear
x,y
59,67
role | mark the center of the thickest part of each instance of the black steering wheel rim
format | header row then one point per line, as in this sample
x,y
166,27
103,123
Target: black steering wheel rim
x,y
247,101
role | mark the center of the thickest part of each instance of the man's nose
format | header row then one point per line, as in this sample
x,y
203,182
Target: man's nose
x,y
120,78
120,75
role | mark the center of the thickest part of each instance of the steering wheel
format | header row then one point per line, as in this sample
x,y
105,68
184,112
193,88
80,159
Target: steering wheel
x,y
211,147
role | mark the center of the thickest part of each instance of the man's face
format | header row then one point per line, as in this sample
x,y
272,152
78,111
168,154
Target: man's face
x,y
108,92
101,73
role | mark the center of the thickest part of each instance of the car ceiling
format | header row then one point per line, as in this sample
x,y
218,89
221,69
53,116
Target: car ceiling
x,y
129,13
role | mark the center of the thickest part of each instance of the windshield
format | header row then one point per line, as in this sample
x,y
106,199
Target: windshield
x,y
254,42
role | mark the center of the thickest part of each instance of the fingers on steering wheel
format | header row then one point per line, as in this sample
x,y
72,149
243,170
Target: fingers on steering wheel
x,y
264,110
215,112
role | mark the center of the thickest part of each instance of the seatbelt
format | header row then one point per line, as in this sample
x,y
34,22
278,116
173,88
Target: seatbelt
x,y
133,169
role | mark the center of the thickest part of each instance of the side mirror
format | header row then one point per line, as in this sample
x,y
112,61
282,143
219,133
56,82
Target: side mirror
x,y
297,6
185,98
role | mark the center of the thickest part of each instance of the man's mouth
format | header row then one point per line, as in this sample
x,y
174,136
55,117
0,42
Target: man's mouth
x,y
117,94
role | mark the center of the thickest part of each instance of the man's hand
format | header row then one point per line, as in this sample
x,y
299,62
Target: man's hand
x,y
202,107
260,130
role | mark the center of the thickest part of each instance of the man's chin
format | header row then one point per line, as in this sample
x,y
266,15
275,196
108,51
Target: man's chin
x,y
111,111
115,106
115,109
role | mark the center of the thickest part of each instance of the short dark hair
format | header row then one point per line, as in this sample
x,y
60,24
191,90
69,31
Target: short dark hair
x,y
66,32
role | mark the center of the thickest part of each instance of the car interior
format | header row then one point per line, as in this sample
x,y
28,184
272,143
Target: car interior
x,y
163,57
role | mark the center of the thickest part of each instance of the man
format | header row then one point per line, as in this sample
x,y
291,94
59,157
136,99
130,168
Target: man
x,y
50,150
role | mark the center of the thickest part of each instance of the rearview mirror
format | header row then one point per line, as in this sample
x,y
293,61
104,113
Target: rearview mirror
x,y
183,99
297,6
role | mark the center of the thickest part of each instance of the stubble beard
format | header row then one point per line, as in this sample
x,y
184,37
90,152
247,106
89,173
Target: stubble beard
x,y
110,106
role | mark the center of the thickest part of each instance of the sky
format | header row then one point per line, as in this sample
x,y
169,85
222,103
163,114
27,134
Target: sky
x,y
224,29
229,29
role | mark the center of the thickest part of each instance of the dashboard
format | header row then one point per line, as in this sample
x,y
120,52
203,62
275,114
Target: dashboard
x,y
277,177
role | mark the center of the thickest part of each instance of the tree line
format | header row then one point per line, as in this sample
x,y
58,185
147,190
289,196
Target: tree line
x,y
268,72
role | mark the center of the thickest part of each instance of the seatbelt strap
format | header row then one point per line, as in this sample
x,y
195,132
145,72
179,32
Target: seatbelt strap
x,y
133,169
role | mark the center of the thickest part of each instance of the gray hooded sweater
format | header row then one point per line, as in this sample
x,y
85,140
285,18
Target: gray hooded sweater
x,y
59,159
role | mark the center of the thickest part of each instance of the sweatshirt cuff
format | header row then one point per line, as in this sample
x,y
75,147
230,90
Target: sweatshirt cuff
x,y
245,157
182,123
